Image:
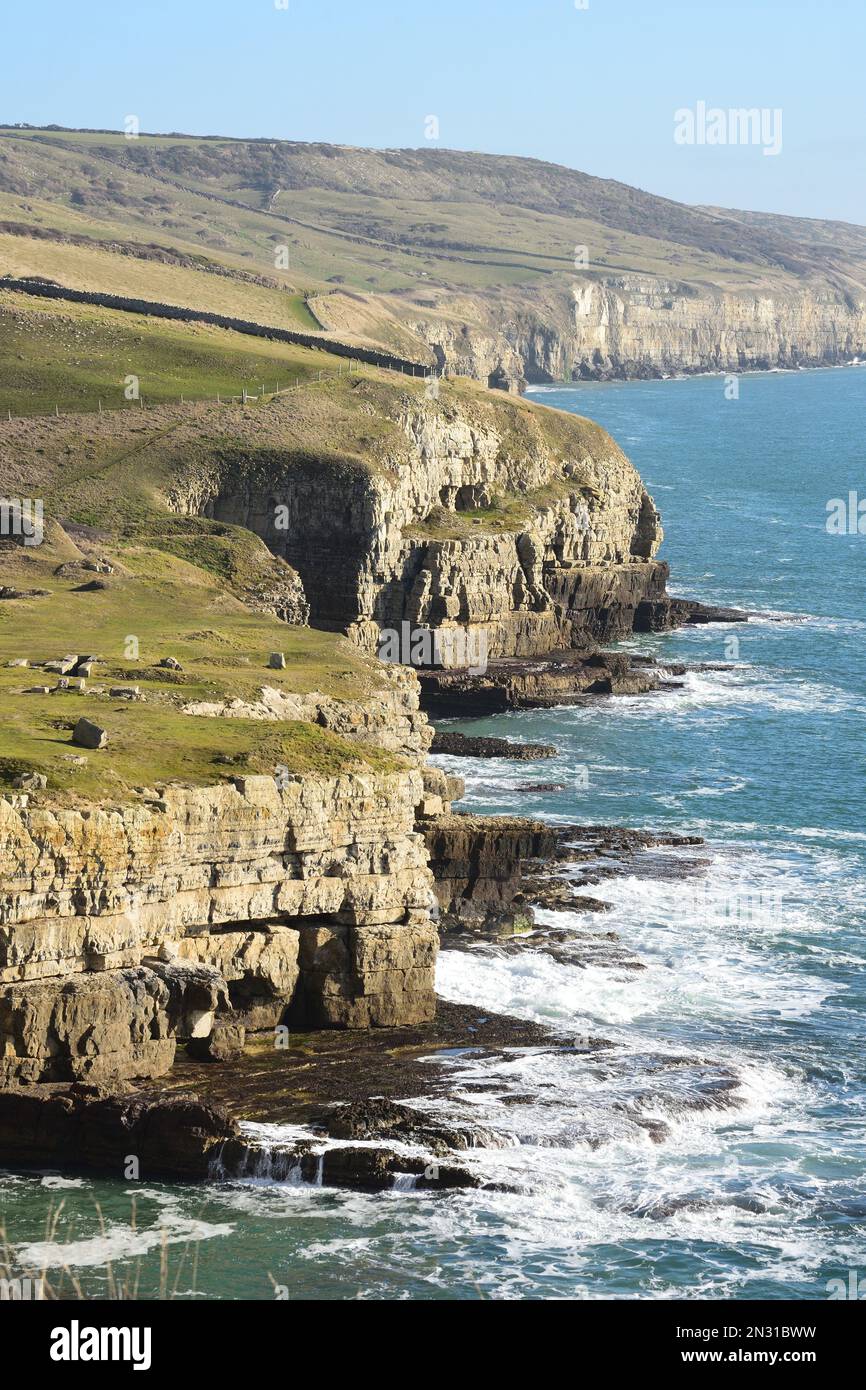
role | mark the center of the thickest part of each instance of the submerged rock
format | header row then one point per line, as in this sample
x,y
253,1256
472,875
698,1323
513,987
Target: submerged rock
x,y
379,1118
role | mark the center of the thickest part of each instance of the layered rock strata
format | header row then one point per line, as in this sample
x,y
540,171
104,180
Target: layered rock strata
x,y
119,926
640,326
478,864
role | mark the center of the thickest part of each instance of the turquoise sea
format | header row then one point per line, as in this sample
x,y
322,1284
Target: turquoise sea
x,y
754,983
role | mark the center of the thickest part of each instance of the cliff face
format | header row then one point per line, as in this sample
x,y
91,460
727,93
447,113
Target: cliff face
x,y
193,913
642,326
525,527
119,925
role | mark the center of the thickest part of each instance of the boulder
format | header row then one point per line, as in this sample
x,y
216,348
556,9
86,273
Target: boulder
x,y
225,1043
31,782
89,735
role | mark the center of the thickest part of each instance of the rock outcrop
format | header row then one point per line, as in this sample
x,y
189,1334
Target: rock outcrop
x,y
187,1139
540,683
125,928
563,553
89,1128
388,719
105,1027
455,744
478,864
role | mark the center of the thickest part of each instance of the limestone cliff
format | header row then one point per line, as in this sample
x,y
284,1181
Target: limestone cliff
x,y
123,928
605,327
483,515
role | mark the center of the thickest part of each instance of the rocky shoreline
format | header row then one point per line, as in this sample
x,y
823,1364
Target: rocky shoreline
x,y
185,959
255,1092
353,1108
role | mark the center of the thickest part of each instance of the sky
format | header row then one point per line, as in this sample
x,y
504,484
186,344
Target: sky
x,y
593,84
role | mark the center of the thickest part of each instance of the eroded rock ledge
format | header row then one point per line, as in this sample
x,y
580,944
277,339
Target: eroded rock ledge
x,y
124,929
200,1122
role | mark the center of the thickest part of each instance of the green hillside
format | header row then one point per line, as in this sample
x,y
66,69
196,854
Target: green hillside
x,y
374,238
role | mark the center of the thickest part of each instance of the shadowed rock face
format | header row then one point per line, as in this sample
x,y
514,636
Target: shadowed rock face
x,y
87,1128
478,863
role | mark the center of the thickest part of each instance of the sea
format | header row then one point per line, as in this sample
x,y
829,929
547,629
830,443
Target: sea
x,y
713,1146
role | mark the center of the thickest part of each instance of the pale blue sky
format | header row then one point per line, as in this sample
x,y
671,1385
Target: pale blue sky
x,y
595,89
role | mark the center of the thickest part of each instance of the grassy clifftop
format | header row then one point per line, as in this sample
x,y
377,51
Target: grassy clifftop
x,y
158,606
116,470
75,356
121,486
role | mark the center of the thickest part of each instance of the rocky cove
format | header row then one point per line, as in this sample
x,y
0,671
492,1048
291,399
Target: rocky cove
x,y
187,963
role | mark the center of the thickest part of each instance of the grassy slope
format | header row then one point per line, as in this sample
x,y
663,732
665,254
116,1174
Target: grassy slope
x,y
174,609
97,268
415,229
74,355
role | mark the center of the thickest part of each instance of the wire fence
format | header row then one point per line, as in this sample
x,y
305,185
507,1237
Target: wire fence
x,y
355,356
259,392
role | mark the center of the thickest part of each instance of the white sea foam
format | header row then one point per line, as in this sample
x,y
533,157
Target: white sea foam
x,y
120,1241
